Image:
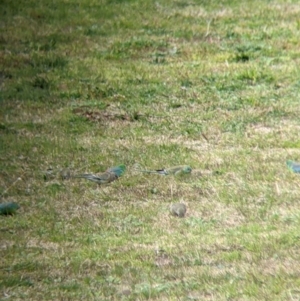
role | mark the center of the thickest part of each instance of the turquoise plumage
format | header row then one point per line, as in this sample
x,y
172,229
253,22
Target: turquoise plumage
x,y
293,166
8,208
117,170
110,175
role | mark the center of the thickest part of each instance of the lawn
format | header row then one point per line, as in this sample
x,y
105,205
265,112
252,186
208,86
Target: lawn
x,y
86,85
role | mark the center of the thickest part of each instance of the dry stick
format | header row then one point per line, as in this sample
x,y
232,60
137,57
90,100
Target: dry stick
x,y
204,136
207,29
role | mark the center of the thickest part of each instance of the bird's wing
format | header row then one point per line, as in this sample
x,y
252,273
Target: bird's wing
x,y
91,177
107,177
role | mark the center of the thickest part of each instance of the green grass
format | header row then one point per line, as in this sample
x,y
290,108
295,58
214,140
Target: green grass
x,y
86,85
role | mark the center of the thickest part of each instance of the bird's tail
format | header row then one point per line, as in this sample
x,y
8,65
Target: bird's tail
x,y
151,171
85,176
139,168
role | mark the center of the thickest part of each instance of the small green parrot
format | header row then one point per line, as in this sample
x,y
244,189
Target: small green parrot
x,y
8,208
293,166
175,170
178,209
110,175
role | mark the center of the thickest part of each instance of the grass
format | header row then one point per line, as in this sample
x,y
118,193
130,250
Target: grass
x,y
86,85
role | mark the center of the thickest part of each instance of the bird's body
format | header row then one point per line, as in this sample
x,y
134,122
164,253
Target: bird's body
x,y
178,209
65,174
175,170
110,175
8,208
293,166
103,178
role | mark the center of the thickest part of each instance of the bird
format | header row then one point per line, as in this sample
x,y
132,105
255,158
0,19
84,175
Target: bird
x,y
178,209
65,174
293,166
110,175
174,170
8,208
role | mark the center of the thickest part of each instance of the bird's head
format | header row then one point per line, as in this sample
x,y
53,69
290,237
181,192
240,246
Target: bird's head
x,y
187,169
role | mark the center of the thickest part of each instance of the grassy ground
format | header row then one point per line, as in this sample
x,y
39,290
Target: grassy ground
x,y
90,84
